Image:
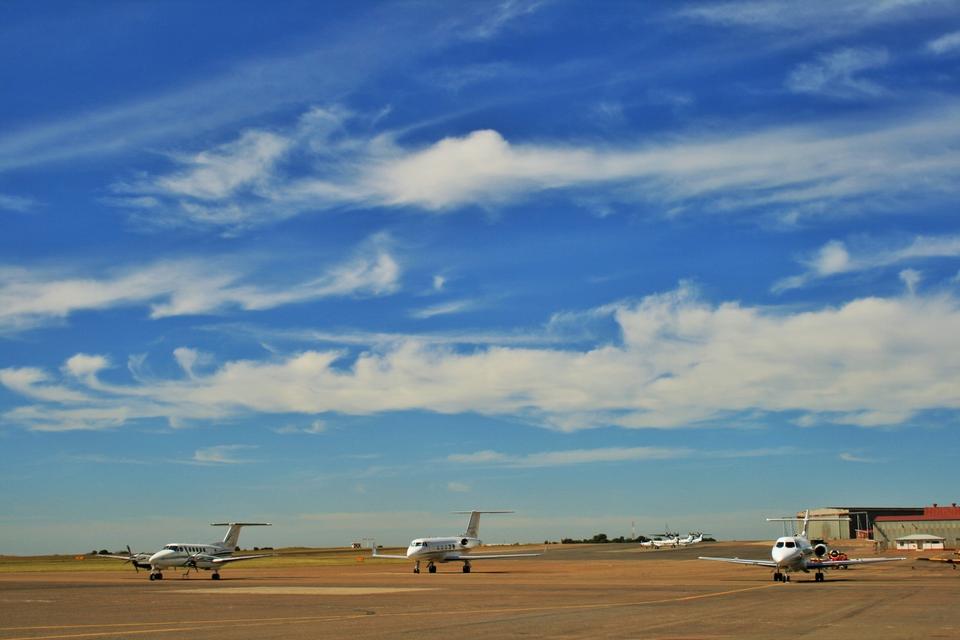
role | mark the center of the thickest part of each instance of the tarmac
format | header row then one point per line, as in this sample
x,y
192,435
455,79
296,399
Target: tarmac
x,y
573,591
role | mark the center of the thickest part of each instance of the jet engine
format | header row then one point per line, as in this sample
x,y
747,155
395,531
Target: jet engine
x,y
820,549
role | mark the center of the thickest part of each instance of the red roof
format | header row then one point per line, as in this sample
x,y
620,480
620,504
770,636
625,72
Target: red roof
x,y
929,513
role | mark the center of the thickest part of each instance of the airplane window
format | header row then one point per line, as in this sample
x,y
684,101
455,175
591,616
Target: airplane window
x,y
790,544
779,544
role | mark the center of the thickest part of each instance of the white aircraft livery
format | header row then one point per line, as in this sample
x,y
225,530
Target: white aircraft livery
x,y
451,548
795,553
207,556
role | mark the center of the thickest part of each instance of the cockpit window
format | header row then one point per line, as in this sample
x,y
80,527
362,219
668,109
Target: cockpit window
x,y
791,544
779,544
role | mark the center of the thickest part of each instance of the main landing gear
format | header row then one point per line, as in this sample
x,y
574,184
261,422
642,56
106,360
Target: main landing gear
x,y
432,568
215,576
781,577
818,577
466,566
156,575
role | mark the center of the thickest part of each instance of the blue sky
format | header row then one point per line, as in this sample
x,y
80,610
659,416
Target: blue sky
x,y
350,267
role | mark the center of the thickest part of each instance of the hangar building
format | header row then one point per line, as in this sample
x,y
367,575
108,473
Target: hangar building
x,y
861,523
934,522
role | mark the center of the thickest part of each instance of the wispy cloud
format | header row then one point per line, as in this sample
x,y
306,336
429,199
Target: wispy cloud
x,y
851,457
837,74
444,309
29,298
222,454
814,19
947,44
834,258
602,455
18,204
458,487
791,168
678,362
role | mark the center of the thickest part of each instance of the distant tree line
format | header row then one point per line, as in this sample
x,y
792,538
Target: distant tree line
x,y
601,538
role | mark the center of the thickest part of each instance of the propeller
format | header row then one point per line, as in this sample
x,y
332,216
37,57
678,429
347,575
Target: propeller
x,y
132,559
191,563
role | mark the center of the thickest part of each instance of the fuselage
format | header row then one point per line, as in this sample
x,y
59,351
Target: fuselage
x,y
182,555
437,549
791,553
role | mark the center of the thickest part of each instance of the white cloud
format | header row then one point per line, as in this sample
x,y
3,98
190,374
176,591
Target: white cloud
x,y
910,279
602,455
947,44
18,204
222,454
834,258
851,457
186,287
458,487
795,168
444,309
679,362
814,19
836,74
221,172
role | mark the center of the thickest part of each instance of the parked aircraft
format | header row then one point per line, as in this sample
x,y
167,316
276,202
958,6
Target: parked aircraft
x,y
207,556
954,561
795,553
451,548
692,538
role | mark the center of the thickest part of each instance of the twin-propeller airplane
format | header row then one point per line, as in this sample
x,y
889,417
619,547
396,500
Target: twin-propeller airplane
x,y
795,553
451,548
207,556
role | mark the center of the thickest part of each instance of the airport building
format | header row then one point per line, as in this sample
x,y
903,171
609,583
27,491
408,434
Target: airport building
x,y
922,530
860,524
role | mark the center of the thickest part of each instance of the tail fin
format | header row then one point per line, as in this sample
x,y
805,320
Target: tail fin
x,y
473,527
233,533
806,519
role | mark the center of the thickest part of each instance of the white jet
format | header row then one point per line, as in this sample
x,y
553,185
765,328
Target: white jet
x,y
451,548
795,553
692,538
207,556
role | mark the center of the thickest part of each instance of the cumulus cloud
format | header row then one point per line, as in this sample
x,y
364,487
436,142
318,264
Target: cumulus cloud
x,y
29,298
834,258
678,362
836,74
790,166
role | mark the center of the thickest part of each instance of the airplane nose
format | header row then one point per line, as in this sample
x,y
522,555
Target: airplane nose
x,y
159,555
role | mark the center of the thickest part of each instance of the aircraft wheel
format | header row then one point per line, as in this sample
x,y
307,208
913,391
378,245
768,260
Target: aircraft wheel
x,y
153,577
778,577
466,568
215,576
786,578
432,569
416,569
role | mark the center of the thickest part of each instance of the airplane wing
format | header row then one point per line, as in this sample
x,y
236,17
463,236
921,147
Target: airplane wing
x,y
947,560
470,556
758,563
387,555
235,558
825,564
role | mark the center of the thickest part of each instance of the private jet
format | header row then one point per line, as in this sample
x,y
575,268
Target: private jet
x,y
452,548
207,556
795,553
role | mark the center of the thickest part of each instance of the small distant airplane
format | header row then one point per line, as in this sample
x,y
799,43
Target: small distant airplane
x,y
795,553
665,539
209,556
451,548
692,538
